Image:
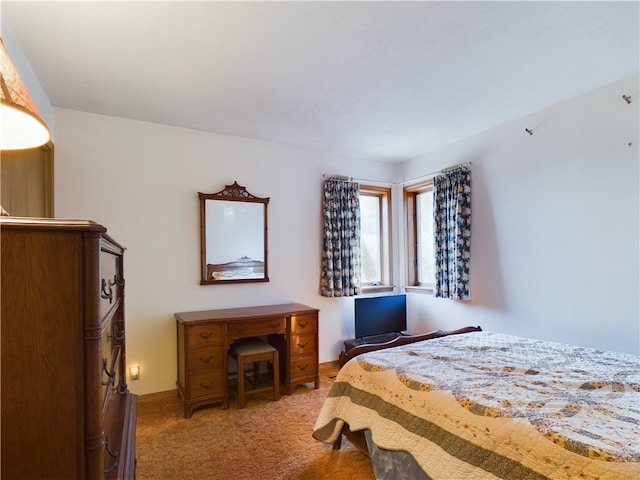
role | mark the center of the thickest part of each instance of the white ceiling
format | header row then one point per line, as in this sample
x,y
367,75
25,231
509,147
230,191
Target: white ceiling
x,y
381,80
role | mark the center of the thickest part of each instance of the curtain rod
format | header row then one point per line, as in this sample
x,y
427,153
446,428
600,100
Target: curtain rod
x,y
444,170
454,167
359,180
336,177
427,175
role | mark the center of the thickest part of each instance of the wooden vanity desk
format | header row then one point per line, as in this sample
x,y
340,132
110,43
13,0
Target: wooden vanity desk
x,y
204,338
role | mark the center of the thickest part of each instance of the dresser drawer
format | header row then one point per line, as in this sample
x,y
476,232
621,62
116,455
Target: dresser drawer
x,y
303,344
206,335
111,283
256,327
304,324
206,384
207,358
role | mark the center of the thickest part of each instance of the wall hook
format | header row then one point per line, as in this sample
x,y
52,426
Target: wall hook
x,y
529,131
626,98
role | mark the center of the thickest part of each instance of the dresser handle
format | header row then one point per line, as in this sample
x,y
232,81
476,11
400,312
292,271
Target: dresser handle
x,y
274,325
207,385
206,336
104,367
303,345
206,360
303,368
303,325
104,294
115,335
113,455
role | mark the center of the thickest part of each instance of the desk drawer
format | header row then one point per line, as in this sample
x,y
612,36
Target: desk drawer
x,y
303,344
206,384
304,366
206,335
304,324
256,327
207,358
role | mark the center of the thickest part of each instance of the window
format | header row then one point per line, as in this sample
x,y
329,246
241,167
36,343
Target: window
x,y
375,241
419,209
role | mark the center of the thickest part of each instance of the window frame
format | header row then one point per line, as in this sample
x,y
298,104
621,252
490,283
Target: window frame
x,y
410,196
386,271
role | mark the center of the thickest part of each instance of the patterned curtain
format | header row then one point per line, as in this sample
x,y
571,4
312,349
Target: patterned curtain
x,y
452,233
341,253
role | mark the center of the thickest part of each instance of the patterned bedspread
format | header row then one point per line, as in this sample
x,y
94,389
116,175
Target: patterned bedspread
x,y
488,405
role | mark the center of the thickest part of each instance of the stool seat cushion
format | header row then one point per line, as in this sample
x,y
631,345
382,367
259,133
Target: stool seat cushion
x,y
251,348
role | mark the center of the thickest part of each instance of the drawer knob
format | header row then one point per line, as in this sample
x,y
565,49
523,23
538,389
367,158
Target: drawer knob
x,y
106,369
206,336
303,345
303,368
303,324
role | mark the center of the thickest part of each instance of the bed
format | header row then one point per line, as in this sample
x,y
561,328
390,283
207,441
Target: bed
x,y
489,405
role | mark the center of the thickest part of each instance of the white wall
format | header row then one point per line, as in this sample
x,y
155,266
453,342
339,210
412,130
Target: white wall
x,y
555,247
141,181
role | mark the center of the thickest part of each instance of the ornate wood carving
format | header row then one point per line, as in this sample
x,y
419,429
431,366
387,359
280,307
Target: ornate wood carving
x,y
233,192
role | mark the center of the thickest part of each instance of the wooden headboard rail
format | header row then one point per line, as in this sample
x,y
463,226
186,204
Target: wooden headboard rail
x,y
345,356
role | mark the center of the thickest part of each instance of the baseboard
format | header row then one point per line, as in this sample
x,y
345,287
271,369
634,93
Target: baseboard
x,y
158,395
327,365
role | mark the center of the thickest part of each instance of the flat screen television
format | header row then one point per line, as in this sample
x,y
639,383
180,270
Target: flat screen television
x,y
378,315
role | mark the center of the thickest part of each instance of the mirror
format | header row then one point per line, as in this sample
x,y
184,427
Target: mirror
x,y
233,236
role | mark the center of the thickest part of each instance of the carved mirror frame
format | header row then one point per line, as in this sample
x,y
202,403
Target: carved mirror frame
x,y
236,269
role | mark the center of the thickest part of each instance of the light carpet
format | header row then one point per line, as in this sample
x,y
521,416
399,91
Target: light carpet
x,y
266,440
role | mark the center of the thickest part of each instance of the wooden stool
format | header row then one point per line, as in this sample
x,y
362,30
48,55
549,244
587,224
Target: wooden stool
x,y
255,351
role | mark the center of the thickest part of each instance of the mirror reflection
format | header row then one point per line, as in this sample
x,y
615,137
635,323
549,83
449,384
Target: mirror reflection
x,y
234,236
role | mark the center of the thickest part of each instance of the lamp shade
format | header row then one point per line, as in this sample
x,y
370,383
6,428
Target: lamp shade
x,y
20,123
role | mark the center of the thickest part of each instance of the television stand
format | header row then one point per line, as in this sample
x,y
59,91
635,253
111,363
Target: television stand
x,y
357,346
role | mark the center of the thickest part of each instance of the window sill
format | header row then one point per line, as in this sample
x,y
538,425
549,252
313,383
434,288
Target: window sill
x,y
377,288
418,289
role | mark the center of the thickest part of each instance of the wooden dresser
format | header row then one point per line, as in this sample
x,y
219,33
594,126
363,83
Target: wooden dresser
x,y
66,409
204,338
